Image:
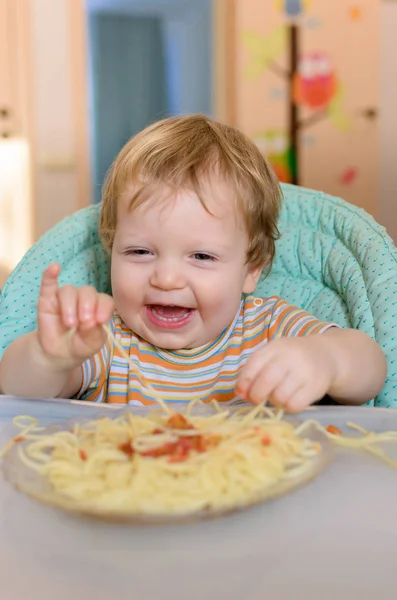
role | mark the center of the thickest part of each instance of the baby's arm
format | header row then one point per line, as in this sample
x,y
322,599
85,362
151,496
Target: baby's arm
x,y
360,367
293,373
25,370
47,362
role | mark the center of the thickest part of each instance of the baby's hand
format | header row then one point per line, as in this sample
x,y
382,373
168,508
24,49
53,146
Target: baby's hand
x,y
291,373
70,320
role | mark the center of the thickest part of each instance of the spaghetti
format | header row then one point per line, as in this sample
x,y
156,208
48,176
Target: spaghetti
x,y
170,465
368,441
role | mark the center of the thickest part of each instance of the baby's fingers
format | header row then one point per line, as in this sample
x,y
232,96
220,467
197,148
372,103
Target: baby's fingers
x,y
84,307
250,372
260,376
68,305
104,308
48,300
49,280
300,399
267,382
94,308
87,307
286,392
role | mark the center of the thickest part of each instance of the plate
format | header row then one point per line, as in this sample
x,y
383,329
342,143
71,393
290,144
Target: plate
x,y
36,485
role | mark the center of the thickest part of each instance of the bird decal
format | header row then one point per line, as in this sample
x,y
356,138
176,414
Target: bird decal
x,y
292,8
315,83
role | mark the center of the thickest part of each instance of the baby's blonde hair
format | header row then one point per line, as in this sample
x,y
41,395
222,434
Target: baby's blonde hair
x,y
181,152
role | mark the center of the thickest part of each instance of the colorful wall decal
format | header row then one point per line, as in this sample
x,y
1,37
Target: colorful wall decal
x,y
355,13
349,176
325,55
275,145
292,8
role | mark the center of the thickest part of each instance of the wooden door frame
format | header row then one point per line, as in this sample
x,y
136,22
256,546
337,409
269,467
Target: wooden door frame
x,y
224,54
78,36
24,97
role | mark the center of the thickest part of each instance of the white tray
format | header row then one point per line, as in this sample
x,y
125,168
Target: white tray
x,y
334,539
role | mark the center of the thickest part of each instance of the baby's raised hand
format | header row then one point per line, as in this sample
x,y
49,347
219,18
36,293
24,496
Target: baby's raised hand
x,y
70,320
290,372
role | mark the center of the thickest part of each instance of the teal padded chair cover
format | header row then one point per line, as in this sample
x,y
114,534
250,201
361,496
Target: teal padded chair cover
x,y
332,259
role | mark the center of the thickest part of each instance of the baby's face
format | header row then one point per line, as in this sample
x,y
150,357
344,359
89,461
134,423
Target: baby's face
x,y
178,272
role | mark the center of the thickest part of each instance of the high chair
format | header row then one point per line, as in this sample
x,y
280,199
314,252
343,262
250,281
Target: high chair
x,y
332,259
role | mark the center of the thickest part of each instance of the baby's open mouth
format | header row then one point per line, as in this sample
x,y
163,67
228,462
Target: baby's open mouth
x,y
169,315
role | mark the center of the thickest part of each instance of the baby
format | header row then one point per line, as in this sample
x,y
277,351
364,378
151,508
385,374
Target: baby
x,y
189,217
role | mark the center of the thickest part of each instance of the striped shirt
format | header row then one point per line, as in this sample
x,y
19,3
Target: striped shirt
x,y
207,372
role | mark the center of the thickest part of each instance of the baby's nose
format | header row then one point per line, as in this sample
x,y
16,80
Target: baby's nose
x,y
168,275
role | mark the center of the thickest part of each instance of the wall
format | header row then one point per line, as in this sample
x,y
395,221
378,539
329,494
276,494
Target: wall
x,y
338,148
188,36
124,100
58,85
188,40
59,118
388,118
177,56
16,230
60,160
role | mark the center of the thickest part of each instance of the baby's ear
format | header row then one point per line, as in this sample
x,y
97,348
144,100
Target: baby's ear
x,y
252,278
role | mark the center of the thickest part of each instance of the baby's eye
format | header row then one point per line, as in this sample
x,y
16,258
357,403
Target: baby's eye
x,y
203,256
136,252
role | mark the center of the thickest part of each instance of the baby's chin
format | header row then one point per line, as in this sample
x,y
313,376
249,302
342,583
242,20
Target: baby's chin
x,y
170,342
165,341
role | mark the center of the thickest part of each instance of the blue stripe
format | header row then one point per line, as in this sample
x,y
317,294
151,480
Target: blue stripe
x,y
176,385
145,394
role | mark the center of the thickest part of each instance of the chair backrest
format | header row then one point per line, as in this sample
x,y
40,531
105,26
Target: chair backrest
x,y
332,259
